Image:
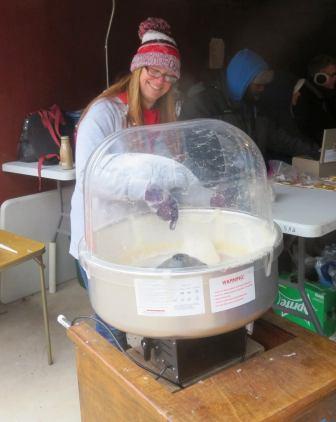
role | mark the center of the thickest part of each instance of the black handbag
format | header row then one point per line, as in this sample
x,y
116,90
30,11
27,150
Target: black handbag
x,y
41,134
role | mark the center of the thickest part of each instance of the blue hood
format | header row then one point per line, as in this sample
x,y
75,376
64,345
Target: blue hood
x,y
241,71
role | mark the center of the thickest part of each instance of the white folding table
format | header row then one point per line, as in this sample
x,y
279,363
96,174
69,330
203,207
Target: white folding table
x,y
54,172
305,213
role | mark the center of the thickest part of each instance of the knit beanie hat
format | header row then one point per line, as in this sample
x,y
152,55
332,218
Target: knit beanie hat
x,y
157,47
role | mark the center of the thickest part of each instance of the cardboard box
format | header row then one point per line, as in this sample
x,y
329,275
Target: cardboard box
x,y
326,165
323,300
314,167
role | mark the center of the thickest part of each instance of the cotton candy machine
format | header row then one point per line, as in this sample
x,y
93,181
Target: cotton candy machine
x,y
179,238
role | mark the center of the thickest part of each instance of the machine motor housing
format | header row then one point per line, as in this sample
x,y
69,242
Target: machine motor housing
x,y
187,360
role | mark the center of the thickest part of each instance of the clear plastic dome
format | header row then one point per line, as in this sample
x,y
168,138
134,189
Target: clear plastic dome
x,y
201,164
168,202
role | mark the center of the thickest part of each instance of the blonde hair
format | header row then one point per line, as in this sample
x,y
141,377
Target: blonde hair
x,y
131,84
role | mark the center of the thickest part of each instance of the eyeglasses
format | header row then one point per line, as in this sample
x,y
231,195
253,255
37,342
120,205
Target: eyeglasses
x,y
156,74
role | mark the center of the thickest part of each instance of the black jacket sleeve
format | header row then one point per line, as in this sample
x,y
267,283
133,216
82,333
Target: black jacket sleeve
x,y
313,113
279,141
208,102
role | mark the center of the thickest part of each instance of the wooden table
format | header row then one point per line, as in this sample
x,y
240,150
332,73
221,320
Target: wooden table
x,y
293,380
16,249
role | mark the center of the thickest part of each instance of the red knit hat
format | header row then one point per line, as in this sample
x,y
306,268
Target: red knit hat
x,y
157,47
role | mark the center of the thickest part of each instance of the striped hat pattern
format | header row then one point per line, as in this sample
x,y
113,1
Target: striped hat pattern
x,y
157,48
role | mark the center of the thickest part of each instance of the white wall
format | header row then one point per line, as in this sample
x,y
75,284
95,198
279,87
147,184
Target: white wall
x,y
36,216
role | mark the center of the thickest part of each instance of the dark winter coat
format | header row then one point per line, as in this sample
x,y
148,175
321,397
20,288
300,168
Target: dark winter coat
x,y
315,111
214,100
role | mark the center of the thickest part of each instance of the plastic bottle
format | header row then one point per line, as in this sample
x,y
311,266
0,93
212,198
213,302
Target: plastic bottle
x,y
66,159
326,271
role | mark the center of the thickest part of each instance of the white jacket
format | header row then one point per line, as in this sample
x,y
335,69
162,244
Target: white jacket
x,y
102,119
120,176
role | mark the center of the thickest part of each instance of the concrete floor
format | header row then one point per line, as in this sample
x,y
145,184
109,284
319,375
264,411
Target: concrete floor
x,y
30,389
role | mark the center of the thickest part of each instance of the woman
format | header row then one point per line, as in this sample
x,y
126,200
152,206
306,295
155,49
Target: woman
x,y
143,97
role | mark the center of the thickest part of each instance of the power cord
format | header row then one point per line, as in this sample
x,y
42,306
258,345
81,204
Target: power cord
x,y
158,375
106,44
96,320
163,370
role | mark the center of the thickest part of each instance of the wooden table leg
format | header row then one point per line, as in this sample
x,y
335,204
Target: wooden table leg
x,y
39,261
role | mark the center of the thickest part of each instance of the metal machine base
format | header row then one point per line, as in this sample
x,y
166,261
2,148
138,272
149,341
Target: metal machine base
x,y
184,361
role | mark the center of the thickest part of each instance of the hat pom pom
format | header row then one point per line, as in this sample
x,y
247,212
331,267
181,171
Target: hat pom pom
x,y
154,24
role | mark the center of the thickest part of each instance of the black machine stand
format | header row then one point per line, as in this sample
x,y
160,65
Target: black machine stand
x,y
185,361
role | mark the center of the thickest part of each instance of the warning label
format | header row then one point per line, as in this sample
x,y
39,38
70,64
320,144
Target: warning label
x,y
171,297
233,290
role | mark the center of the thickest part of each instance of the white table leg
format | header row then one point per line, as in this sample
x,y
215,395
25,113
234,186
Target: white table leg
x,y
52,267
52,245
301,286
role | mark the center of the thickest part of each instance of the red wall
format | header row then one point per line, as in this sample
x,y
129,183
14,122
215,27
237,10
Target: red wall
x,y
51,52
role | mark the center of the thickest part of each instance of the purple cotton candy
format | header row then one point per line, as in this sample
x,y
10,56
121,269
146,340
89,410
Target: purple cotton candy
x,y
154,194
217,200
164,204
224,199
168,211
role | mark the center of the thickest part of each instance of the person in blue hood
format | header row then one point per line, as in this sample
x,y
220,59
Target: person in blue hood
x,y
233,97
247,72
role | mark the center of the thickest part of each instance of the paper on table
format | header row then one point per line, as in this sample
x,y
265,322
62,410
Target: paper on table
x,y
329,155
7,248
